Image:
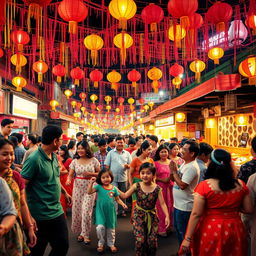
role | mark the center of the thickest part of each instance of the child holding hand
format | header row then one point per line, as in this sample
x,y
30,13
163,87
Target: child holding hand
x,y
105,213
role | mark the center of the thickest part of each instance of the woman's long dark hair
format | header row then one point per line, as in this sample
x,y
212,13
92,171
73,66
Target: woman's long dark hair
x,y
145,144
3,142
220,168
161,147
71,144
86,147
66,155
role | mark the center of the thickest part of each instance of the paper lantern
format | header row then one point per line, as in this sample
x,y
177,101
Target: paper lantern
x,y
182,10
134,76
99,108
123,41
155,74
82,96
251,22
152,14
93,98
83,109
120,100
93,106
73,11
215,54
107,99
1,53
176,70
96,76
40,67
54,104
114,77
76,115
195,21
237,32
247,68
68,93
20,38
141,101
176,33
131,101
108,107
197,66
177,82
59,71
122,10
73,103
93,43
117,110
219,14
242,120
151,104
19,61
19,82
77,74
180,117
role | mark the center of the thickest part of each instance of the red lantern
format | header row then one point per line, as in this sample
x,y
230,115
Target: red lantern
x,y
96,76
40,67
183,10
93,106
59,71
195,21
1,53
72,11
82,96
141,101
176,70
219,14
120,100
134,76
152,14
77,74
20,38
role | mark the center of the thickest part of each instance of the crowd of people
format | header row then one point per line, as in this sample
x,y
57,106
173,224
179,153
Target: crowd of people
x,y
184,187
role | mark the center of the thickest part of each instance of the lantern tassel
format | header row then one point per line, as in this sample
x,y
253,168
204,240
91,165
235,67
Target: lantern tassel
x,y
58,79
123,55
40,77
134,84
155,86
198,77
33,12
217,61
95,84
94,56
220,27
252,80
254,32
72,27
123,23
153,27
184,21
18,89
20,47
76,82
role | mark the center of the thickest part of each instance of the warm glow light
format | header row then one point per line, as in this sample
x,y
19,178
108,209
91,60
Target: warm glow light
x,y
93,98
68,93
241,120
180,33
210,123
215,54
54,104
180,117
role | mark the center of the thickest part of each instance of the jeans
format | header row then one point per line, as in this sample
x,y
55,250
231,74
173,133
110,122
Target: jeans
x,y
54,232
121,186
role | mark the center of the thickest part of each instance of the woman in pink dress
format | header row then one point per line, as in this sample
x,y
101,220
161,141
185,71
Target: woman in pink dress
x,y
164,181
174,154
215,226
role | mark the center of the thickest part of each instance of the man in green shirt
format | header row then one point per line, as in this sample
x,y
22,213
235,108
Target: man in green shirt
x,y
42,177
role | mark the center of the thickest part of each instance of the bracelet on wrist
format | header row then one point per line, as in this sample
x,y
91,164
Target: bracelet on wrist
x,y
189,239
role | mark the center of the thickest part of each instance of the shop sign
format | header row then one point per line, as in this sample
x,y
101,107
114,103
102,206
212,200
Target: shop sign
x,y
73,126
24,108
165,121
156,98
181,127
1,102
18,122
191,127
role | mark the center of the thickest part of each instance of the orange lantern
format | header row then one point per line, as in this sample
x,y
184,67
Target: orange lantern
x,y
54,104
146,107
40,67
114,77
251,23
155,74
176,33
151,104
19,61
1,53
82,96
93,43
20,38
19,82
247,68
177,82
123,41
197,66
108,99
83,109
108,107
93,98
122,10
76,115
180,117
215,54
73,103
68,93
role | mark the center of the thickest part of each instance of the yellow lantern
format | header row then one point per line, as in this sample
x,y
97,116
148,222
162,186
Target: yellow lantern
x,y
73,103
76,115
68,93
180,117
177,82
114,77
19,82
176,33
146,107
151,104
155,74
117,110
247,68
215,54
122,10
242,120
19,61
131,101
151,127
82,121
197,66
94,43
108,99
54,104
108,107
93,98
210,123
83,109
123,41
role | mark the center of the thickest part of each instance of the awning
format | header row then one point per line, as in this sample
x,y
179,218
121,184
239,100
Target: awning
x,y
59,115
219,83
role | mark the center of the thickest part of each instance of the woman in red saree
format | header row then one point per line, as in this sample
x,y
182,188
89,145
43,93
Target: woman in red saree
x,y
215,226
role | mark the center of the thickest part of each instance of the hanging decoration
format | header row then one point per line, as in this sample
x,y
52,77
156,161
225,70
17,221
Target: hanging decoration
x,y
122,10
73,11
77,115
108,107
68,93
54,104
197,66
1,53
107,99
176,33
155,74
82,96
83,109
215,54
123,41
177,81
237,32
19,61
93,43
19,82
151,104
114,77
131,102
77,74
96,76
73,104
247,68
180,117
59,71
20,38
93,98
142,101
176,70
134,76
251,22
40,67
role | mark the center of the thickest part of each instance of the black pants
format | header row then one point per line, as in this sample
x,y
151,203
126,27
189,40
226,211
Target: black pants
x,y
54,232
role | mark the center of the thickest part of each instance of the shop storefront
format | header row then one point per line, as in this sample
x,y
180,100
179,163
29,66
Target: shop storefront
x,y
165,128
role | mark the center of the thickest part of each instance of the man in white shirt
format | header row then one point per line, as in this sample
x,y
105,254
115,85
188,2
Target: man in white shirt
x,y
186,178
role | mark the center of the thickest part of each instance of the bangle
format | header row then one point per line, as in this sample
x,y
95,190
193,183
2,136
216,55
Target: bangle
x,y
31,225
189,239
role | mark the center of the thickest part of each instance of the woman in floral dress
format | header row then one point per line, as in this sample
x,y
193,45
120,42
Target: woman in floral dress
x,y
85,167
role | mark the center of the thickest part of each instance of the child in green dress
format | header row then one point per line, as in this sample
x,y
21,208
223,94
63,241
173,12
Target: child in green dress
x,y
105,213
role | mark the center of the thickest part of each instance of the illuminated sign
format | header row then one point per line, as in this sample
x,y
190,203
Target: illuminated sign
x,y
165,121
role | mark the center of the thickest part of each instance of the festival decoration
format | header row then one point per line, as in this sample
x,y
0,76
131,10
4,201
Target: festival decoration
x,y
94,43
54,104
19,82
1,53
134,76
83,109
82,96
19,61
40,67
152,14
237,32
20,38
247,68
122,10
141,101
120,100
251,22
176,70
96,76
77,74
117,110
176,33
59,71
215,54
68,93
73,11
180,117
242,120
108,107
176,81
76,115
151,104
197,66
93,98
107,99
155,74
114,77
73,104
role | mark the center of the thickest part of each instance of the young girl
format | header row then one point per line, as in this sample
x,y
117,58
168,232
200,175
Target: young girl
x,y
174,154
145,221
105,214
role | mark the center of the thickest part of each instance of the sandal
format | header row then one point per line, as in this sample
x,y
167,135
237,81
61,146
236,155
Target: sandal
x,y
87,241
80,239
113,249
100,249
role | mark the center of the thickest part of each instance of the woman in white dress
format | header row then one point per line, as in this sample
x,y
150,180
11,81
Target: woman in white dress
x,y
85,167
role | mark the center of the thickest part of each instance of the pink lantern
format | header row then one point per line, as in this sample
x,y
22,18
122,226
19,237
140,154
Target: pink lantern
x,y
237,32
